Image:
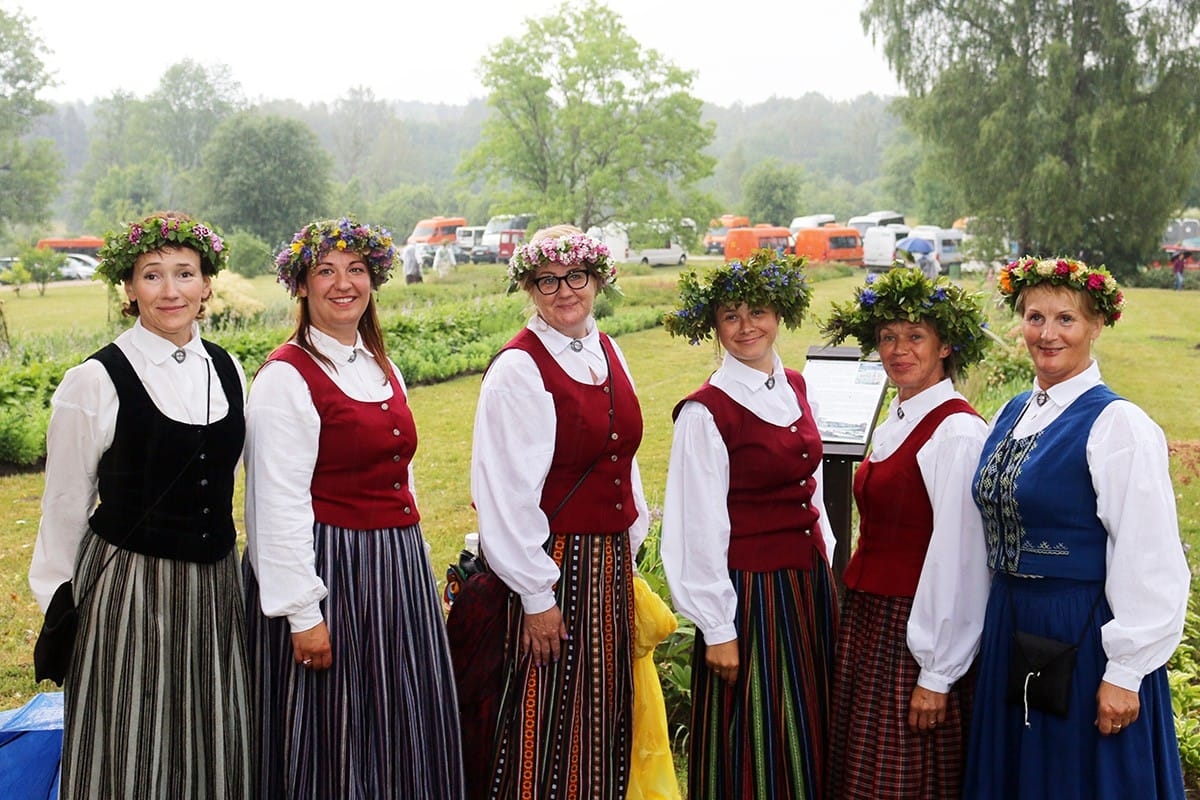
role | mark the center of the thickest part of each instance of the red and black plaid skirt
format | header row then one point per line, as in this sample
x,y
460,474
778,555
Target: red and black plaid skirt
x,y
873,754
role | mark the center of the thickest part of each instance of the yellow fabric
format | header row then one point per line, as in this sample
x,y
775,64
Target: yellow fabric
x,y
652,770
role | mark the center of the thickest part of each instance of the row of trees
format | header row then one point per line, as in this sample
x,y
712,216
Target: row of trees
x,y
1068,126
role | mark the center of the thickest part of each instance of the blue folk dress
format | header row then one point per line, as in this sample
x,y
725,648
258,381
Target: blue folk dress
x,y
1040,519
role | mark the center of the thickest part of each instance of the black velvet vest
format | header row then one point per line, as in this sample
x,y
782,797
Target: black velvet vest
x,y
166,487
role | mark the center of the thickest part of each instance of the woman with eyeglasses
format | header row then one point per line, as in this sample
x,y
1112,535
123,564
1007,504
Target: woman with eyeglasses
x,y
561,515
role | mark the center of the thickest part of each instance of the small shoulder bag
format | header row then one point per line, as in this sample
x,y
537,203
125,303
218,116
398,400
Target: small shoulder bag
x,y
1040,669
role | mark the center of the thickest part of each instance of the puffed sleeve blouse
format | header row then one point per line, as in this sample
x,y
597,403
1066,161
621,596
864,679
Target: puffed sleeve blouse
x,y
83,421
695,526
283,431
1148,578
511,452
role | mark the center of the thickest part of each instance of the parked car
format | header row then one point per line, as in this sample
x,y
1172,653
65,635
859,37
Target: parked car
x,y
671,252
875,218
879,245
78,267
811,221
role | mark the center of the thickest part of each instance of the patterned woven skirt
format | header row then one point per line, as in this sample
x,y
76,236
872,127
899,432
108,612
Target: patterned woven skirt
x,y
565,728
157,696
381,723
765,737
872,753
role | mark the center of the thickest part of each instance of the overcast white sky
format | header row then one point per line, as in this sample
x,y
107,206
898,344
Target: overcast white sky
x,y
744,51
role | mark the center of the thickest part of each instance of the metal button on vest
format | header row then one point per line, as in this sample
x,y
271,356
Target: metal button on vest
x,y
396,457
614,456
397,485
804,481
204,481
384,406
618,506
616,481
792,429
407,510
204,510
203,456
606,390
614,436
804,506
204,535
804,455
395,431
808,531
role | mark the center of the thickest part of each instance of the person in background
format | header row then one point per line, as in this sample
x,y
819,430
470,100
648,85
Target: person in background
x,y
1178,262
746,541
411,263
141,455
917,583
443,260
347,641
1083,538
556,485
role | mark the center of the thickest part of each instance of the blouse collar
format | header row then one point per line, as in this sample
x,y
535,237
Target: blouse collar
x,y
754,379
334,350
557,342
159,350
1065,393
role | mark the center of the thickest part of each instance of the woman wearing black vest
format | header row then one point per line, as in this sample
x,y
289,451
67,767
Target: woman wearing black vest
x,y
561,516
917,584
157,698
347,644
745,540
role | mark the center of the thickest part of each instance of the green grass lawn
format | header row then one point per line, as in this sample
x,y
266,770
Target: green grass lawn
x,y
1152,357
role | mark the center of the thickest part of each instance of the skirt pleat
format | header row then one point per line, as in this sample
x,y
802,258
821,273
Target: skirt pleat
x,y
565,729
157,698
766,736
873,753
382,722
1052,758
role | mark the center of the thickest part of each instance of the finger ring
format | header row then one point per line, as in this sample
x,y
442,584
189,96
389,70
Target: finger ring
x,y
307,662
1116,727
933,723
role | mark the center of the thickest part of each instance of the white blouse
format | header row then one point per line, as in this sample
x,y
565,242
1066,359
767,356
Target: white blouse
x,y
695,526
1148,577
283,431
511,452
946,621
83,421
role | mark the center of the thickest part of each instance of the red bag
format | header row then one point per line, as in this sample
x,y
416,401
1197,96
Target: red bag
x,y
477,629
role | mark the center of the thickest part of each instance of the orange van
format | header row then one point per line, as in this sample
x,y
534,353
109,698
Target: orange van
x,y
714,238
831,243
435,230
741,242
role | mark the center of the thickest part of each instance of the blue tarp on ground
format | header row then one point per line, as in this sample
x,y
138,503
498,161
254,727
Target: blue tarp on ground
x,y
31,749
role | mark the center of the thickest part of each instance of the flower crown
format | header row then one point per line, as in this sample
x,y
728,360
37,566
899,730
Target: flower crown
x,y
573,250
905,293
765,279
316,239
121,249
1096,281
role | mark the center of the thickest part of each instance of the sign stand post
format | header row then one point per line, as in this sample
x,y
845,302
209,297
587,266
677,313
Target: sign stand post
x,y
848,394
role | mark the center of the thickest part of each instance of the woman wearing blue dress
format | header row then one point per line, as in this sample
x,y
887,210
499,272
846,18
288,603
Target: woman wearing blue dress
x,y
1083,538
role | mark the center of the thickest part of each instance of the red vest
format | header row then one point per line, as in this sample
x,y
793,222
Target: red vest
x,y
361,477
772,522
603,503
896,517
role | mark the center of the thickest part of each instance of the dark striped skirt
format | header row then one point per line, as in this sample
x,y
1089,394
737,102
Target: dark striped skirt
x,y
765,737
157,696
382,722
565,729
872,753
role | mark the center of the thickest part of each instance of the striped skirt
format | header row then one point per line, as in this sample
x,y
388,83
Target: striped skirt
x,y
873,754
565,728
157,696
382,722
765,737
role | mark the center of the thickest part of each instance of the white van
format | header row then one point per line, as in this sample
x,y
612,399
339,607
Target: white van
x,y
879,245
812,221
614,237
671,252
947,243
880,218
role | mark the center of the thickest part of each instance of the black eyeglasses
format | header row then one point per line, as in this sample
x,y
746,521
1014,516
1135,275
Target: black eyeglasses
x,y
548,284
